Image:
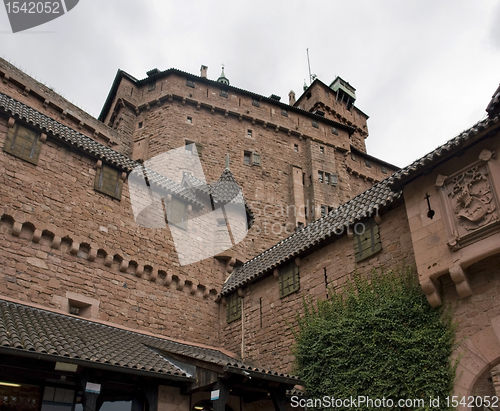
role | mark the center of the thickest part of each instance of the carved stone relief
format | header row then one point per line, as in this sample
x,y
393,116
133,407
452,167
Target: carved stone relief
x,y
470,202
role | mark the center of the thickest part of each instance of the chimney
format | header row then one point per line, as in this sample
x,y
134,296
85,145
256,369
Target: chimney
x,y
204,70
291,97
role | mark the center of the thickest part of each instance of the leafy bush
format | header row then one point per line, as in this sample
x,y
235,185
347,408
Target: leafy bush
x,y
377,338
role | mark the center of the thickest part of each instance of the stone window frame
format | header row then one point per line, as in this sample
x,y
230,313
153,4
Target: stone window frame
x,y
251,158
366,243
335,131
284,112
109,180
249,133
190,83
151,85
224,93
17,137
296,148
255,103
334,180
233,307
321,176
315,124
289,279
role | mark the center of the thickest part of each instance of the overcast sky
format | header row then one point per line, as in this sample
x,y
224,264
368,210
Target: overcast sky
x,y
423,70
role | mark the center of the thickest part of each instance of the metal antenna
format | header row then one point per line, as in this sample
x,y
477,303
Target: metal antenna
x,y
309,65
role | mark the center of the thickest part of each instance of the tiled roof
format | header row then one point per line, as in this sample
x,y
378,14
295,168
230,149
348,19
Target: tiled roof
x,y
359,207
226,190
494,105
336,222
84,143
403,175
28,329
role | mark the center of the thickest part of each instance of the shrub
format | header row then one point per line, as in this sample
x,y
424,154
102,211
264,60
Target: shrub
x,y
378,338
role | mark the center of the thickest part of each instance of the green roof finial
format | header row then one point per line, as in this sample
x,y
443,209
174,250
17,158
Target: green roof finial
x,y
223,79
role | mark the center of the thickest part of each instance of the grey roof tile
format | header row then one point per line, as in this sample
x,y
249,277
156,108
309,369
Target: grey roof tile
x,y
82,142
24,328
361,206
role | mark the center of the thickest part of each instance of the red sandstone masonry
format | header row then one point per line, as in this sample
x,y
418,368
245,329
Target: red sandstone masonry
x,y
268,337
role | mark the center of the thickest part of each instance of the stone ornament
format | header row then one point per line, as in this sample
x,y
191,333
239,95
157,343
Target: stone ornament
x,y
470,202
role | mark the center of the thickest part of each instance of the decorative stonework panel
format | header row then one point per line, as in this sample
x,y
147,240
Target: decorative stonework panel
x,y
471,204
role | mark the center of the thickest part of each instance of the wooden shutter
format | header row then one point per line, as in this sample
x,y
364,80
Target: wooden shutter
x,y
108,181
289,279
256,159
367,243
23,143
233,307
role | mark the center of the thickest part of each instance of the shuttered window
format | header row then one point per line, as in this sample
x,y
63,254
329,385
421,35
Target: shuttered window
x,y
23,143
108,181
177,213
368,242
289,279
233,307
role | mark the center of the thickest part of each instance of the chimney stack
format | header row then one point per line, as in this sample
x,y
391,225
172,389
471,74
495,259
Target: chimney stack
x,y
204,70
291,98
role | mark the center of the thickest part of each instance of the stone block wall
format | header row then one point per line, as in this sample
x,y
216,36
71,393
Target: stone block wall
x,y
267,334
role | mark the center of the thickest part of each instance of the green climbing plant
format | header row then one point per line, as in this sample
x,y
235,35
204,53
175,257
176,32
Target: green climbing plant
x,y
377,338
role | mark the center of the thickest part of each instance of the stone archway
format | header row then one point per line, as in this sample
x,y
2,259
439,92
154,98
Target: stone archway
x,y
478,356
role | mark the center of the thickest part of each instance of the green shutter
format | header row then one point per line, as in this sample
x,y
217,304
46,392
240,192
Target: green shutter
x,y
368,242
289,279
108,181
23,143
233,307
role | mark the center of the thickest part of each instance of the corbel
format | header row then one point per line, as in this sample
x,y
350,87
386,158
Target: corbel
x,y
241,293
180,284
264,124
253,120
45,103
154,275
377,218
193,289
81,124
277,129
139,271
123,176
98,164
206,293
230,265
431,292
168,279
26,90
223,301
212,109
198,106
226,113
64,114
123,266
37,235
240,117
92,254
298,262
16,229
74,248
461,281
486,155
183,100
56,242
11,122
108,261
6,78
276,272
43,137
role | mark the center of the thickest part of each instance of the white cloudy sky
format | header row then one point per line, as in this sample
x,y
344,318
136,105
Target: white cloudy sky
x,y
424,70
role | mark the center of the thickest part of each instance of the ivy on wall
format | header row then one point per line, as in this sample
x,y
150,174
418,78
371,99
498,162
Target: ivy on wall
x,y
378,338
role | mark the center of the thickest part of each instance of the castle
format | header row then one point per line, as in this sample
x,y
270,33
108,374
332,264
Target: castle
x,y
114,296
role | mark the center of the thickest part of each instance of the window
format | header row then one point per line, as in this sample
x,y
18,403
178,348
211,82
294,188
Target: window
x,y
315,124
190,83
284,112
23,143
335,131
57,398
108,181
368,163
189,120
366,240
383,169
249,133
322,150
141,124
296,148
353,157
223,93
327,178
324,211
255,103
320,176
289,279
233,307
334,180
177,214
151,85
247,158
189,149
